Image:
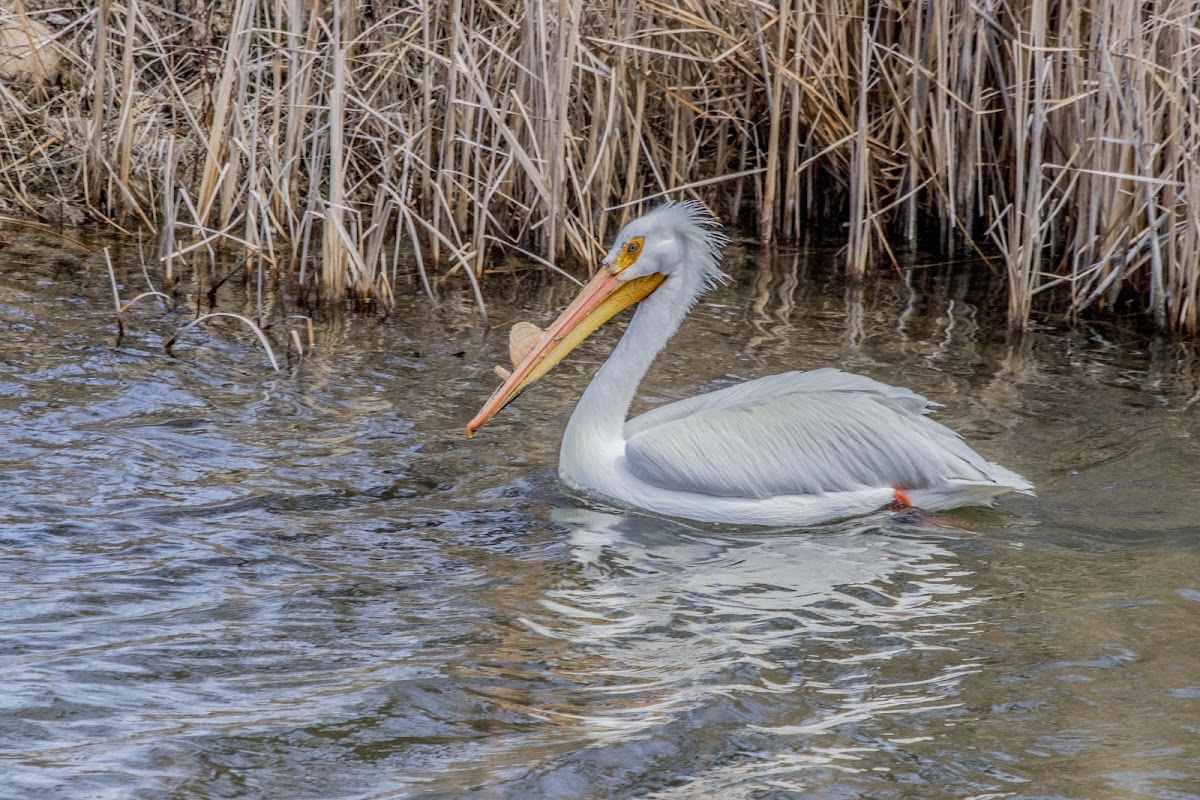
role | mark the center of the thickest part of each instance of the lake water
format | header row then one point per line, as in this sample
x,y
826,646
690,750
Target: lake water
x,y
223,581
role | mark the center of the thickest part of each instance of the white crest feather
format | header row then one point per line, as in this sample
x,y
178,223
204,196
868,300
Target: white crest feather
x,y
693,225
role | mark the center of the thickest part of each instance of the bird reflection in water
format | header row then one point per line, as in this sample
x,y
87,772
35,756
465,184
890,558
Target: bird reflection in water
x,y
664,624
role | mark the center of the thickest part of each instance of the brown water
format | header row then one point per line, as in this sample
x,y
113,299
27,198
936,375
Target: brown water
x,y
220,581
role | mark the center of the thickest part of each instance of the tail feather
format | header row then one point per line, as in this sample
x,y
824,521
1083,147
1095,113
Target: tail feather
x,y
970,493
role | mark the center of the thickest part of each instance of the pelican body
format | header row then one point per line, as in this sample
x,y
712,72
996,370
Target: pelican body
x,y
797,448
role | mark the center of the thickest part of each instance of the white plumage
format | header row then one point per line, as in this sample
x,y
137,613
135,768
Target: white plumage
x,y
790,449
802,433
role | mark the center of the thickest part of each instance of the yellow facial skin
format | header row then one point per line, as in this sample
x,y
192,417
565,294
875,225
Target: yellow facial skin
x,y
629,254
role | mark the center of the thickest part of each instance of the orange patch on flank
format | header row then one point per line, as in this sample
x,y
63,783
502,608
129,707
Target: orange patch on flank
x,y
900,499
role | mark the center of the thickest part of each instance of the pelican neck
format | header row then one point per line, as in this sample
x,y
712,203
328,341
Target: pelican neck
x,y
602,409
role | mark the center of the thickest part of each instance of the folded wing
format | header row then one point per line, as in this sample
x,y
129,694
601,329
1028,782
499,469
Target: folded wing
x,y
803,433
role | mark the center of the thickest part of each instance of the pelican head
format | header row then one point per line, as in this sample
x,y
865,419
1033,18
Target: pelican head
x,y
675,242
673,238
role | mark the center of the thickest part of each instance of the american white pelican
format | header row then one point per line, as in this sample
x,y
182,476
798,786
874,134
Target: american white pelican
x,y
792,449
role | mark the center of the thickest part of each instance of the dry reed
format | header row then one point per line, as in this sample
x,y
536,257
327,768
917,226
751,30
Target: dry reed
x,y
325,137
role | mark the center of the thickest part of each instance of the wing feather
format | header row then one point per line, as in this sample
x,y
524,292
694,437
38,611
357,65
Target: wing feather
x,y
826,379
802,433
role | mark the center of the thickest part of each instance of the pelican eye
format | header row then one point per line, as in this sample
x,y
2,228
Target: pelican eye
x,y
629,254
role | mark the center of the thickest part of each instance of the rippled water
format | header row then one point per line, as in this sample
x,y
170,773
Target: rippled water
x,y
220,581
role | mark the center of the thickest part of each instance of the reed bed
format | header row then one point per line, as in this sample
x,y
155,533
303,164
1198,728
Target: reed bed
x,y
353,146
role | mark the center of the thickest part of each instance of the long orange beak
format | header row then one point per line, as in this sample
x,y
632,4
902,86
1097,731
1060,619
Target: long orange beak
x,y
600,300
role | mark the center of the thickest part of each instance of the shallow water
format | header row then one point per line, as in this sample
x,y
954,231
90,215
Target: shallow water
x,y
220,581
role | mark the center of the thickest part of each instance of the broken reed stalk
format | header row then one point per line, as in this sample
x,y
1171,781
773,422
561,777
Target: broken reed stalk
x,y
112,279
338,141
258,333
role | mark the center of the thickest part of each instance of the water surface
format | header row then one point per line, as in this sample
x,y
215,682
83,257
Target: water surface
x,y
222,581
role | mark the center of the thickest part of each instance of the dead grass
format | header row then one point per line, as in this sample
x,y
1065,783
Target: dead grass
x,y
337,141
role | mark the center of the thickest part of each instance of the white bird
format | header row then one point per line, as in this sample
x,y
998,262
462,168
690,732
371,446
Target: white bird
x,y
791,449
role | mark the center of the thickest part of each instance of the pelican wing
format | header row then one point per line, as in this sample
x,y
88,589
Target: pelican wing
x,y
802,433
826,379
